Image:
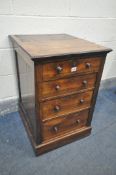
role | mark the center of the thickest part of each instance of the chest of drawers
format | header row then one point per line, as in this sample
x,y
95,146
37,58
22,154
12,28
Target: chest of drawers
x,y
58,80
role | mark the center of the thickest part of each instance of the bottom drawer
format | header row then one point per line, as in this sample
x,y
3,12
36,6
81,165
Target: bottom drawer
x,y
62,125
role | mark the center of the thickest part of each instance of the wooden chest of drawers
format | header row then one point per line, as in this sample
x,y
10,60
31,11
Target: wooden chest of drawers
x,y
58,80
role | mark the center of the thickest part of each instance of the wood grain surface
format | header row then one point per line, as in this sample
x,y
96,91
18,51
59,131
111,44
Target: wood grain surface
x,y
40,46
65,124
65,105
86,65
58,81
67,85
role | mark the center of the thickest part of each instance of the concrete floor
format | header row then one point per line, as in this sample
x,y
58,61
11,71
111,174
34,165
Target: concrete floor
x,y
94,155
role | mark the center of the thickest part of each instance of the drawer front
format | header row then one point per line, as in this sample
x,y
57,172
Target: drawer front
x,y
69,67
65,105
72,84
62,125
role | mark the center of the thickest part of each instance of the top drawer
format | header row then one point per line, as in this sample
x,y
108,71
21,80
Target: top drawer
x,y
63,68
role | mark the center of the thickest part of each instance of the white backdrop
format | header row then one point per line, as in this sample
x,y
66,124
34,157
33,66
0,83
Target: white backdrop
x,y
94,20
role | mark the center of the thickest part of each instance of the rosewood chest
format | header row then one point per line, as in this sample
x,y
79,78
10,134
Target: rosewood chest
x,y
58,80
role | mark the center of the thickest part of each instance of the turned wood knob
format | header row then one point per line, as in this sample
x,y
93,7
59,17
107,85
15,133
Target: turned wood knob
x,y
56,108
55,128
57,87
81,101
88,65
78,121
85,83
59,69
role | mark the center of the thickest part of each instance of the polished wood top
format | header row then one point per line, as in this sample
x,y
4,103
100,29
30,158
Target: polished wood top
x,y
48,45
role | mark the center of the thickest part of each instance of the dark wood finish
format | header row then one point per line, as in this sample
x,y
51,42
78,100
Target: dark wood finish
x,y
17,69
67,85
64,105
55,143
61,125
42,46
99,75
58,81
74,66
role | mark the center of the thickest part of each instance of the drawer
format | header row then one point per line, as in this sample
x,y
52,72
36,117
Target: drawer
x,y
62,125
67,85
69,67
66,105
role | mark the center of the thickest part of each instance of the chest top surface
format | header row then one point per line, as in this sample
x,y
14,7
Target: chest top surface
x,y
48,45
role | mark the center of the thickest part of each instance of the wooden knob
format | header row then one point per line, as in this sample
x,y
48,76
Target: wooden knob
x,y
88,65
59,69
78,121
55,128
84,82
57,108
81,101
57,87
